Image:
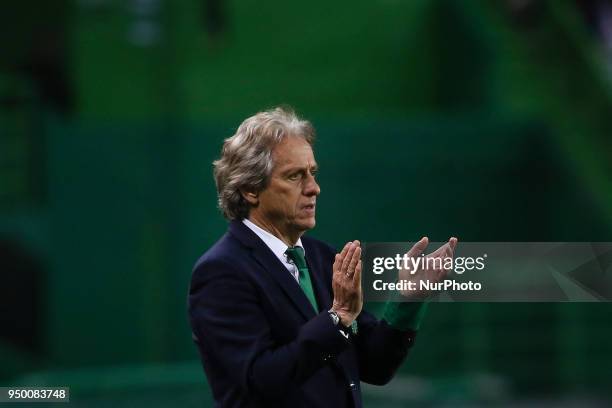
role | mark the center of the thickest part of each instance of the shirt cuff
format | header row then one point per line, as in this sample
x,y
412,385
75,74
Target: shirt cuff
x,y
404,315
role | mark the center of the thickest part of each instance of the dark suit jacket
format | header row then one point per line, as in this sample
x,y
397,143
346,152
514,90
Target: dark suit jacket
x,y
261,342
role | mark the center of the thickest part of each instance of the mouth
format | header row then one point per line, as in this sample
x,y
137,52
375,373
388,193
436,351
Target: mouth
x,y
309,207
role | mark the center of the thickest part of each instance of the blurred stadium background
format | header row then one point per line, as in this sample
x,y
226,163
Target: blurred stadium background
x,y
490,121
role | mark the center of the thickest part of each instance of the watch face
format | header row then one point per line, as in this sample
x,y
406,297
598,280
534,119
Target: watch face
x,y
335,318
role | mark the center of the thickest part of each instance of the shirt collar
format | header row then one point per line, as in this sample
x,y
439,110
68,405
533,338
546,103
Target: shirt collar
x,y
277,246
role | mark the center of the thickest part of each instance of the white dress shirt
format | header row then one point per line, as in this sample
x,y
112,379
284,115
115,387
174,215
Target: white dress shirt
x,y
277,246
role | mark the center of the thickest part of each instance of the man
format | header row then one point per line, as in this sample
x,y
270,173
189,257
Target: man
x,y
277,315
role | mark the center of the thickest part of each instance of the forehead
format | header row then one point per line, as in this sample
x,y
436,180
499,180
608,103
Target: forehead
x,y
293,151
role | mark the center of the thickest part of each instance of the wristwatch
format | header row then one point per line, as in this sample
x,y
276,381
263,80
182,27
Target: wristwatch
x,y
337,322
334,316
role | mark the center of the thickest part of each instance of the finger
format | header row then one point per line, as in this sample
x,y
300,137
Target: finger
x,y
357,276
450,247
357,246
347,258
340,257
353,264
452,244
345,250
418,248
337,264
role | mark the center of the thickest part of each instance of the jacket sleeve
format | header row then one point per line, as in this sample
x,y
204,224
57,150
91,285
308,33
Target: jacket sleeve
x,y
381,349
228,320
381,346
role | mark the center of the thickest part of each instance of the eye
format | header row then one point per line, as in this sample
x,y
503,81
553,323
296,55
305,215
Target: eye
x,y
294,176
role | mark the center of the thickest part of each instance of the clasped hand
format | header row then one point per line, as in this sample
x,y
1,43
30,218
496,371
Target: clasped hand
x,y
430,269
346,280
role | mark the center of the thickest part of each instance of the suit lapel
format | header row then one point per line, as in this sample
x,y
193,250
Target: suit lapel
x,y
271,264
318,277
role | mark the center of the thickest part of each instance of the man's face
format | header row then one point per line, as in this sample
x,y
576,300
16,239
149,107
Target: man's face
x,y
287,205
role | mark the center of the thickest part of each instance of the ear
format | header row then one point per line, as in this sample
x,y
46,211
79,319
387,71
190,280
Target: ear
x,y
250,197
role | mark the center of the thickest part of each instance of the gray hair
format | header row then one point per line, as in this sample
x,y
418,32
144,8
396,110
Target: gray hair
x,y
246,158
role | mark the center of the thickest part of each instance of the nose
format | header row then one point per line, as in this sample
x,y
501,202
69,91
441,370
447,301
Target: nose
x,y
311,188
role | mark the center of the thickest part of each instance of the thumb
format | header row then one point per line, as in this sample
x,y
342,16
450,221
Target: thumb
x,y
452,243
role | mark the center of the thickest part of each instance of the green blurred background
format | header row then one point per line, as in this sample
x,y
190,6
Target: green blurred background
x,y
486,120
